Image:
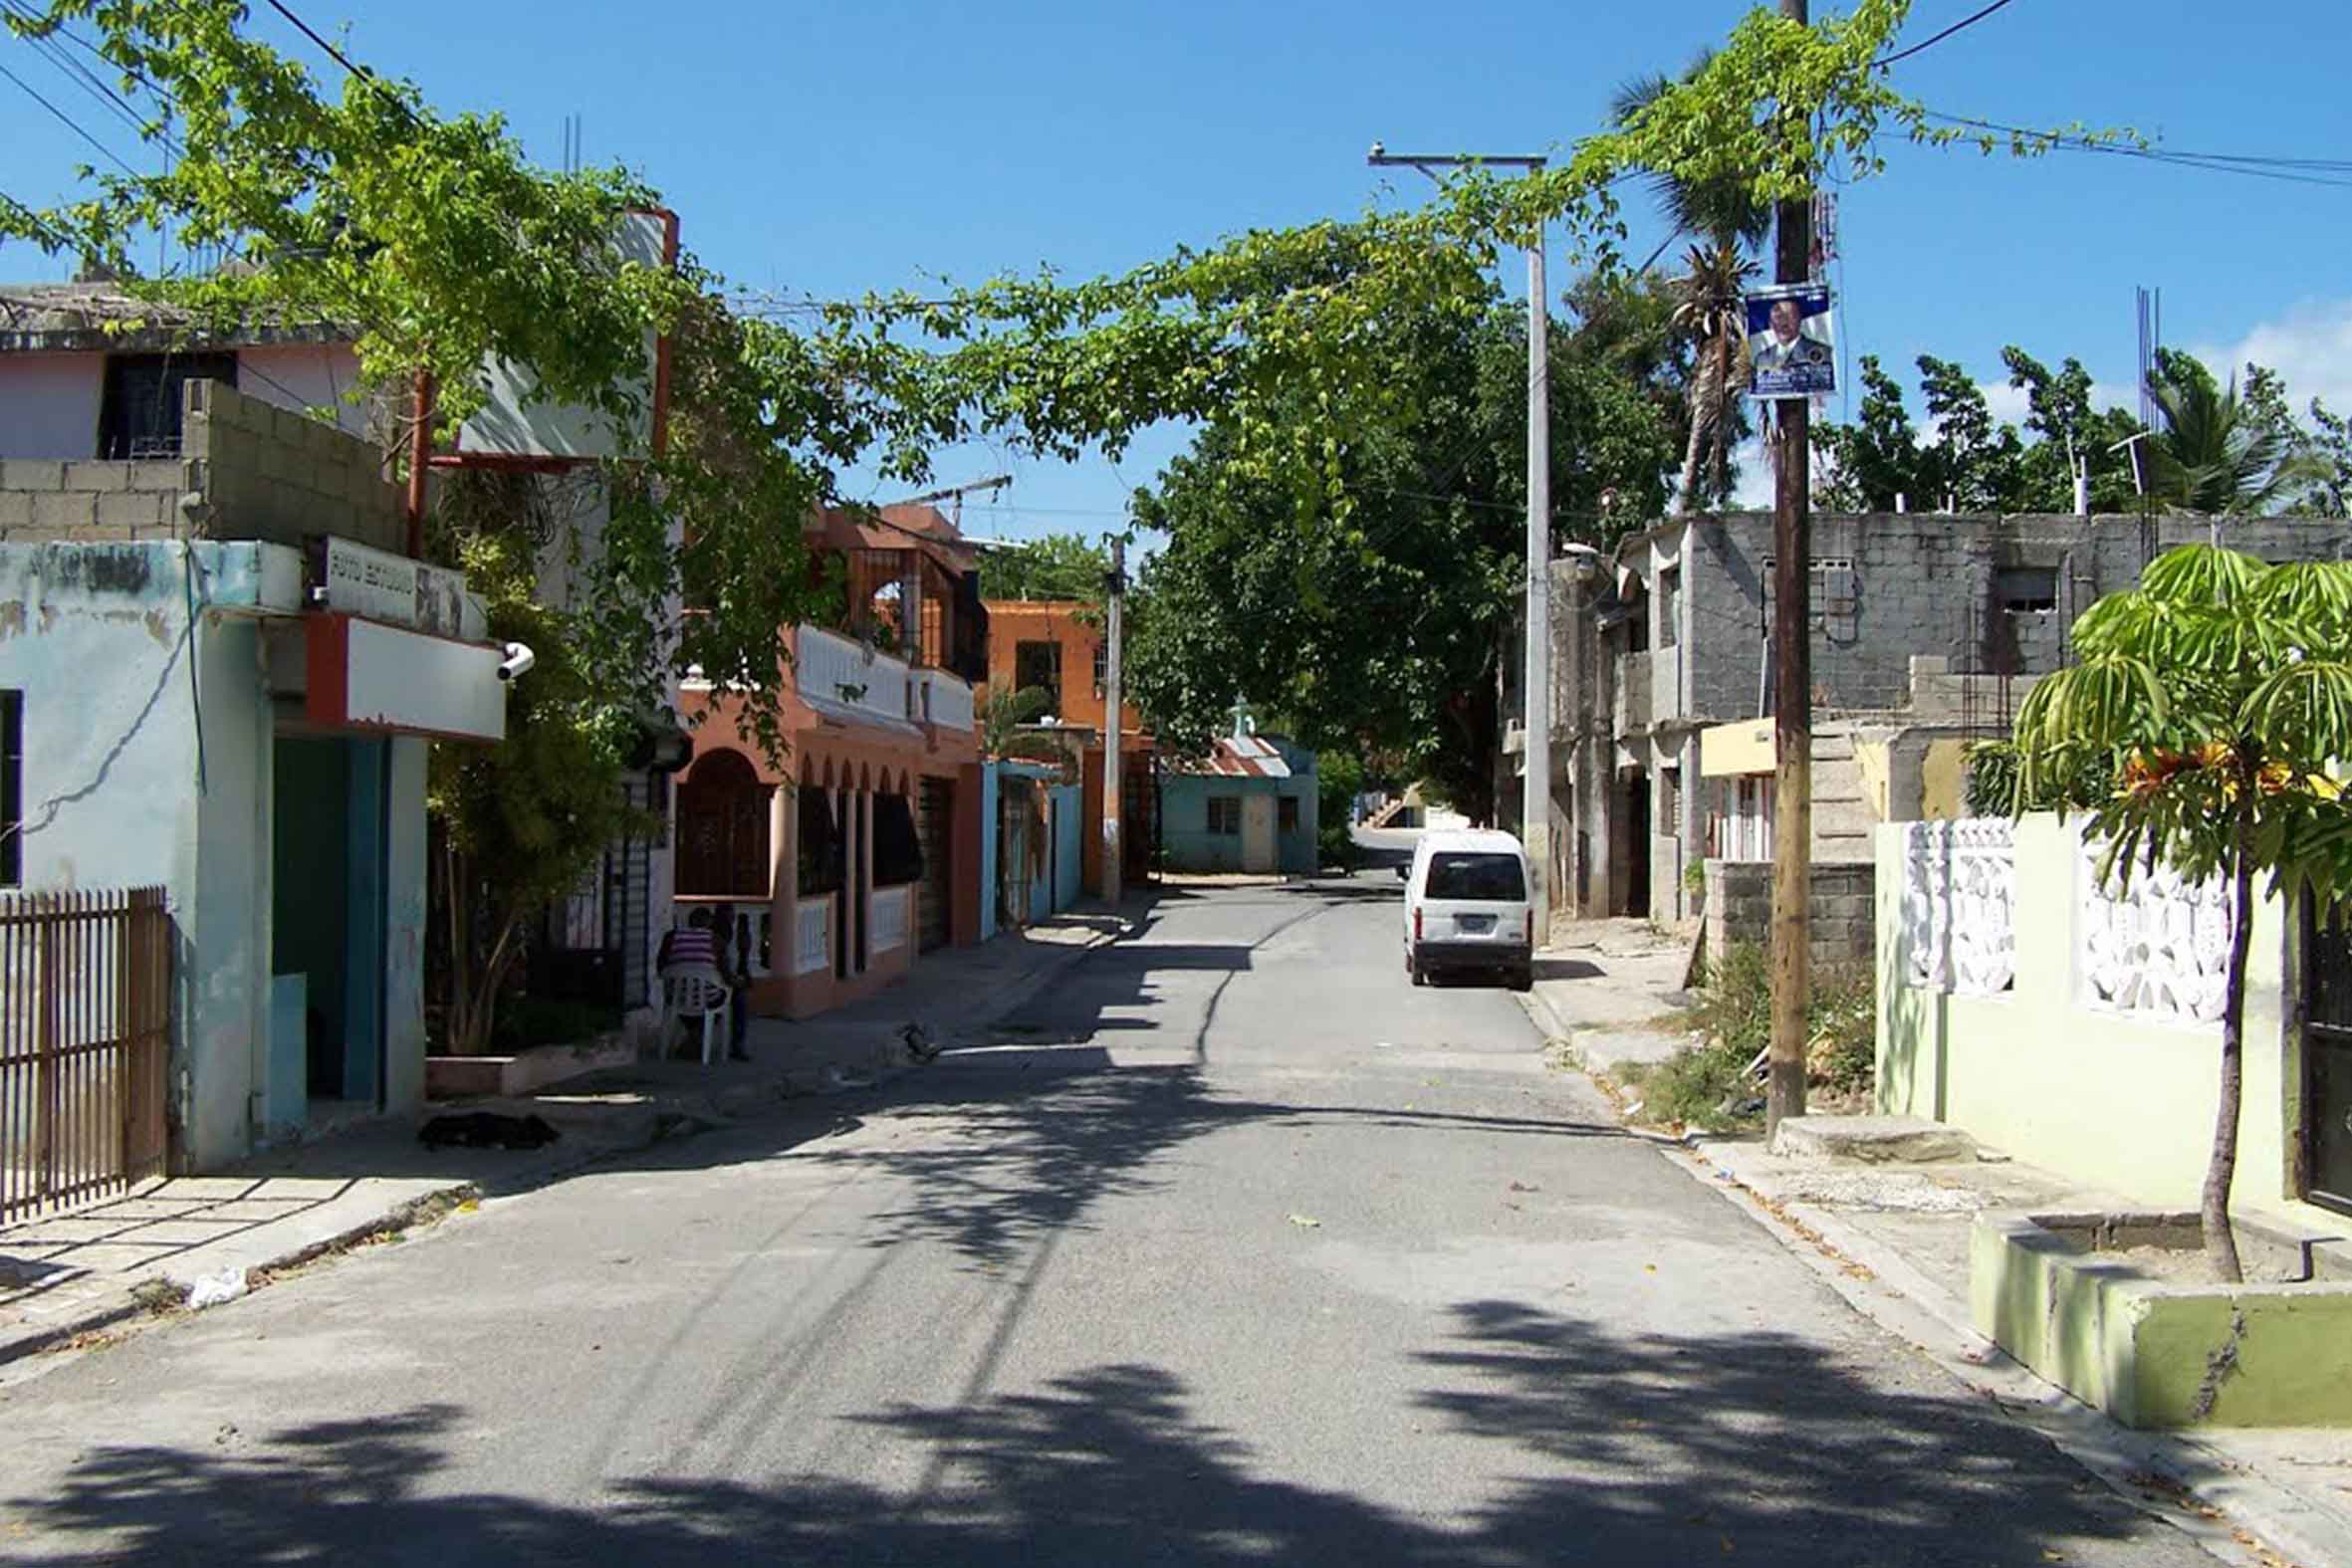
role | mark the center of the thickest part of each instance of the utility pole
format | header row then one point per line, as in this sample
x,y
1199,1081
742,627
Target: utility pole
x,y
1792,697
1535,790
1112,783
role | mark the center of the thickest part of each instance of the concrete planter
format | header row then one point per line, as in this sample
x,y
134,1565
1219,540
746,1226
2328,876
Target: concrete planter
x,y
474,1077
2054,1292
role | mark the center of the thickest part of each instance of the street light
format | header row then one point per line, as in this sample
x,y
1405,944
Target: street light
x,y
1535,793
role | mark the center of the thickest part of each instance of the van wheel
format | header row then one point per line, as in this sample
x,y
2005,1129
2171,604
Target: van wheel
x,y
1414,969
1522,980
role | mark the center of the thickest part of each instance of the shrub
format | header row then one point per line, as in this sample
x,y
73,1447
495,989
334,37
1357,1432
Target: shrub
x,y
1704,1085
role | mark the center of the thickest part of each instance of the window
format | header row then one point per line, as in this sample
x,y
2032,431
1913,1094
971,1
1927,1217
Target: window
x,y
140,415
1477,878
898,848
2027,590
1670,802
822,856
1101,668
1039,665
1224,815
1287,813
11,786
1669,606
1833,594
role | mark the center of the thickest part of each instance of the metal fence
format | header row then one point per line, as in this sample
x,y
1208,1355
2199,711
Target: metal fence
x,y
85,1033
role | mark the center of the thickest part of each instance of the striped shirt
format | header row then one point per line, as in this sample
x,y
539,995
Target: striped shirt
x,y
689,946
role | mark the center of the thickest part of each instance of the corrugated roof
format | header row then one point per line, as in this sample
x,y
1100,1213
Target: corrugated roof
x,y
1236,756
38,317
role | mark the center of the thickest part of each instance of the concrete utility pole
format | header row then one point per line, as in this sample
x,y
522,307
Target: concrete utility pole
x,y
1112,783
1793,697
1535,790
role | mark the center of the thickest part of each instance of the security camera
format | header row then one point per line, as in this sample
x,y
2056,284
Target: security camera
x,y
518,661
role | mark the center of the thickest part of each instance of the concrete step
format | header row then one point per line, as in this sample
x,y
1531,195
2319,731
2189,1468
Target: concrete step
x,y
1873,1140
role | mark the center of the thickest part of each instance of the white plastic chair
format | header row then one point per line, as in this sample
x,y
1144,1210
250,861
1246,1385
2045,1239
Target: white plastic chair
x,y
692,989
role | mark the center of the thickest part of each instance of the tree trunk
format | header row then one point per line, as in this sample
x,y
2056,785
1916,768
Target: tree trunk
x,y
2220,1243
1721,434
1688,495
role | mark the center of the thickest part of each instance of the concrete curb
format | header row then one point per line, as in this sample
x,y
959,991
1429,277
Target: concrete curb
x,y
1884,1286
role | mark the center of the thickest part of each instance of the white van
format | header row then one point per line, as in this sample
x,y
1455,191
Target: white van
x,y
1467,906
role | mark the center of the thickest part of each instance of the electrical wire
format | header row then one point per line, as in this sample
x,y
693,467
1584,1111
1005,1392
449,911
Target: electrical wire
x,y
2305,171
70,122
1929,43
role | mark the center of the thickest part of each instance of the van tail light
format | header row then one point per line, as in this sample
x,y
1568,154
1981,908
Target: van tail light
x,y
1416,925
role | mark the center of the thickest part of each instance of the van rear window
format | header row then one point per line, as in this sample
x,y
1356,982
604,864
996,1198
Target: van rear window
x,y
1493,879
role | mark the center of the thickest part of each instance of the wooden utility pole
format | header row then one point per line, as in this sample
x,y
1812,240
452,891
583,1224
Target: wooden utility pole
x,y
1793,697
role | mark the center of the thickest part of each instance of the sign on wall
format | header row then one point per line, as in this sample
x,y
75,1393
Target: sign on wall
x,y
1791,342
377,585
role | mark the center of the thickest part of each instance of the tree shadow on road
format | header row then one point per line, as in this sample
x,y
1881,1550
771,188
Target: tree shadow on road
x,y
1633,1449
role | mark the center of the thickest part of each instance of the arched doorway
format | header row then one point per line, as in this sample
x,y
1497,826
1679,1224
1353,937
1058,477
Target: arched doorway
x,y
723,841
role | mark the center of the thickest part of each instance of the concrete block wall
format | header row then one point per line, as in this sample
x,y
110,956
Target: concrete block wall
x,y
1926,585
247,470
49,501
272,474
1739,909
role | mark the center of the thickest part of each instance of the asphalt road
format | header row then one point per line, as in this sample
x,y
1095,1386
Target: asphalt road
x,y
1233,1248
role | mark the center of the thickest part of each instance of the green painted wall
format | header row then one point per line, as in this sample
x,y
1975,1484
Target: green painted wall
x,y
2113,1101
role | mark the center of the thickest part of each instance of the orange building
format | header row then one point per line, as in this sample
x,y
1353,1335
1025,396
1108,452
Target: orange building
x,y
862,851
1057,647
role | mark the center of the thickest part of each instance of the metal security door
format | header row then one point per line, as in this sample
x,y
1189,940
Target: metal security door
x,y
2327,1064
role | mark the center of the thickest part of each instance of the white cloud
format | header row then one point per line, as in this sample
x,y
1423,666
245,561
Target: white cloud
x,y
2008,404
2312,346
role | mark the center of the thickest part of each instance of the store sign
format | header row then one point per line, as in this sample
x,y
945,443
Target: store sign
x,y
364,675
376,584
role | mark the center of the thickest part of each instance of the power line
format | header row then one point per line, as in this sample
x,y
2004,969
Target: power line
x,y
1929,43
70,122
2303,171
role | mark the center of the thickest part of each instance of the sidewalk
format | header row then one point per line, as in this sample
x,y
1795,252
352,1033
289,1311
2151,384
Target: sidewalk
x,y
1603,991
1893,1241
102,1268
1892,1238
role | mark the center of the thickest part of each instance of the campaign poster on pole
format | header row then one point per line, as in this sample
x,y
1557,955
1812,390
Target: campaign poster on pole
x,y
1791,342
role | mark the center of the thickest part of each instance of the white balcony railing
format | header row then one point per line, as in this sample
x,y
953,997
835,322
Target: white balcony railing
x,y
812,935
886,915
843,673
947,701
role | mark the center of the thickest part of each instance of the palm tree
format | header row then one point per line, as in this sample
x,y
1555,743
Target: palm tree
x,y
2216,699
1712,311
2212,455
1729,223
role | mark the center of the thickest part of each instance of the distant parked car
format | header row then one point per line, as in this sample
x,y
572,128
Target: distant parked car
x,y
1467,906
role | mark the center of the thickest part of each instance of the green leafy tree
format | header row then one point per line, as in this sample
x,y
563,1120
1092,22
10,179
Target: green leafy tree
x,y
1876,458
2066,429
1057,566
2330,457
522,822
1376,618
2220,695
1971,465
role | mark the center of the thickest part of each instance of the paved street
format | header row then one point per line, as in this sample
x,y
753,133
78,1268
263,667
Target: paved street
x,y
1233,1248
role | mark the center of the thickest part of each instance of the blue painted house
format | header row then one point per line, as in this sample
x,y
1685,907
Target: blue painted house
x,y
1248,805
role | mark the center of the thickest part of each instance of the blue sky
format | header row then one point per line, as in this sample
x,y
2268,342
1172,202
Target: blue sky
x,y
826,151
